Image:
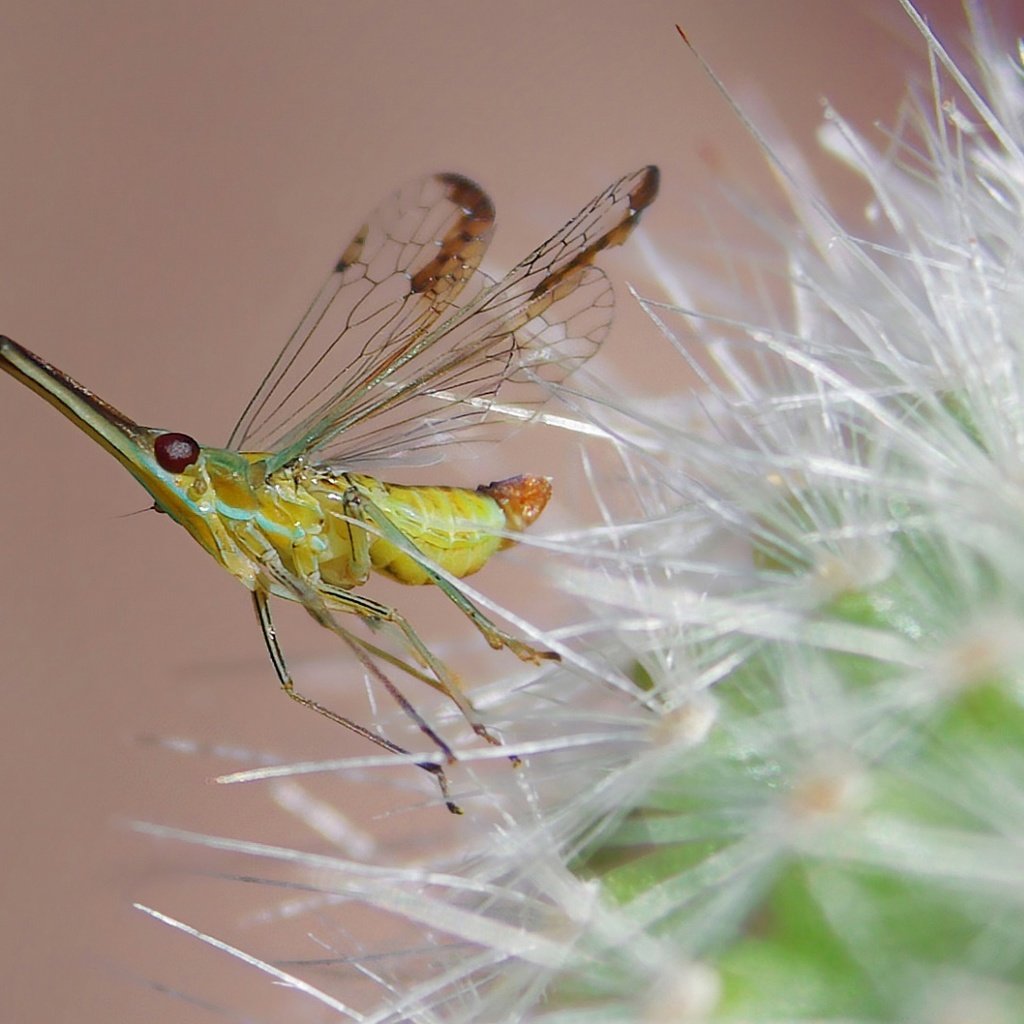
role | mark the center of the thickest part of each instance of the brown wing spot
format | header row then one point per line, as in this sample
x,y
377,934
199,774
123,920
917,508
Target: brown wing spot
x,y
456,253
471,198
353,251
646,190
643,194
551,282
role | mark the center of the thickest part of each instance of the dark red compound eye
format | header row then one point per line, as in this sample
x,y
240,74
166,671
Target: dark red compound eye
x,y
175,452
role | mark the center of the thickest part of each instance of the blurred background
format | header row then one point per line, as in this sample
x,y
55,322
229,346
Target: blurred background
x,y
176,178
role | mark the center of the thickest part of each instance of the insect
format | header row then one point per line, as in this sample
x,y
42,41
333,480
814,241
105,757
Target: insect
x,y
405,349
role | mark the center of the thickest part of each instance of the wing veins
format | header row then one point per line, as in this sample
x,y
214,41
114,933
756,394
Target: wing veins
x,y
482,344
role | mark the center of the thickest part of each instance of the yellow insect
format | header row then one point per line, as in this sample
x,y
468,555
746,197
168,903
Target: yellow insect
x,y
405,348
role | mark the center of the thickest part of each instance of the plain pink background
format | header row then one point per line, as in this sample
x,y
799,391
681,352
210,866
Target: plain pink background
x,y
174,180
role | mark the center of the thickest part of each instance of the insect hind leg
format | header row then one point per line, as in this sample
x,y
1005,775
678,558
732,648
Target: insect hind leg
x,y
374,613
261,603
444,680
362,508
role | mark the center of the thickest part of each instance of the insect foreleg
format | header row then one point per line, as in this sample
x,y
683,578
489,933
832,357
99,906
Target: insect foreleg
x,y
262,604
361,507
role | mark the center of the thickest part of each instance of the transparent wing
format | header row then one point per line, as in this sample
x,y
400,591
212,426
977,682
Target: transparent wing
x,y
455,397
434,371
396,277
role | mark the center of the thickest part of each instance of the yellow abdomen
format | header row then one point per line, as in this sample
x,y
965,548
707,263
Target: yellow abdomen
x,y
457,528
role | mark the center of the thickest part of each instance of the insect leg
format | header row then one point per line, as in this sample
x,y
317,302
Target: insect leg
x,y
262,604
377,614
444,680
314,605
362,507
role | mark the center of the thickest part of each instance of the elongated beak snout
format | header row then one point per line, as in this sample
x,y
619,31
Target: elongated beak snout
x,y
129,443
